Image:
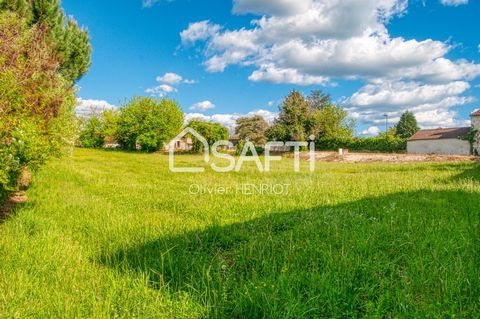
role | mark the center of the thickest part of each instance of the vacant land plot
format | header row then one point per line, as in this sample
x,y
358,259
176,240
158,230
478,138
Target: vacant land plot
x,y
108,234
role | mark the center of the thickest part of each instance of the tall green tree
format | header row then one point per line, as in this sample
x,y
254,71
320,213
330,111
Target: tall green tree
x,y
92,134
407,126
70,42
293,121
212,132
252,128
148,123
300,117
317,100
331,121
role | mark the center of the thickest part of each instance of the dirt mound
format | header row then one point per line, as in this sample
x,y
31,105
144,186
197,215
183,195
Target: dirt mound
x,y
7,206
389,158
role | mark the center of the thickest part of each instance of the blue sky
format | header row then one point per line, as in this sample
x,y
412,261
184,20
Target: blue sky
x,y
222,59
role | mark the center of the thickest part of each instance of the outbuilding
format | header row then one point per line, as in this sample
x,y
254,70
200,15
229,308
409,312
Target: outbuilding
x,y
442,141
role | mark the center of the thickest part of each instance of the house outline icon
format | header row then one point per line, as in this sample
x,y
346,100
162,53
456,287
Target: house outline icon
x,y
171,151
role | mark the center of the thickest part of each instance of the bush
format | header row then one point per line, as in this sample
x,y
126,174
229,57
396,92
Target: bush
x,y
36,104
240,146
92,133
387,144
148,142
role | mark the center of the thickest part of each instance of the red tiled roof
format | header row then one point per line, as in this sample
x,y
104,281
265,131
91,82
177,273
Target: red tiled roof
x,y
440,133
476,113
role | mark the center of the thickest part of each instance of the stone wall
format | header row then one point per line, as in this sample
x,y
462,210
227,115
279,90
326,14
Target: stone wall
x,y
441,147
476,125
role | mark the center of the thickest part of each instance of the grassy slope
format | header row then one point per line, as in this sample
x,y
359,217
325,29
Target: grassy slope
x,y
112,234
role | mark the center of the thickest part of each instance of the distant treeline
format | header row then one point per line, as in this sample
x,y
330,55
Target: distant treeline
x,y
148,124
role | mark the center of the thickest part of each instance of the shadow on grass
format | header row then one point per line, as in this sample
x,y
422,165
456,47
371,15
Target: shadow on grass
x,y
8,206
403,255
471,173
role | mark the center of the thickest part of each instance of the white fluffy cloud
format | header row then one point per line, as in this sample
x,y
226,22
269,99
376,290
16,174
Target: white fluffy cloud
x,y
319,39
161,90
371,54
453,2
170,78
86,108
431,103
151,3
387,95
173,79
229,120
167,84
371,131
199,31
202,106
275,7
273,74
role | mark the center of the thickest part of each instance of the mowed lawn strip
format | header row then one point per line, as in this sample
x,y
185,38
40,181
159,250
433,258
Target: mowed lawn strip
x,y
112,234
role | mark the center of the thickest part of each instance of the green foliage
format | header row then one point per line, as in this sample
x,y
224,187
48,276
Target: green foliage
x,y
212,132
110,122
148,122
74,47
36,102
407,126
316,115
241,145
472,138
97,129
252,128
92,134
293,122
70,42
386,144
318,100
331,121
149,142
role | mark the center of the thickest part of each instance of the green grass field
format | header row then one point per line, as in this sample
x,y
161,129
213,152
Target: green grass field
x,y
110,234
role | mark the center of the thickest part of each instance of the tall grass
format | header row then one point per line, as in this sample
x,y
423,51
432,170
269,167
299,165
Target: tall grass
x,y
109,234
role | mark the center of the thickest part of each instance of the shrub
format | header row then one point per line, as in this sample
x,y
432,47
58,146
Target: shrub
x,y
387,144
240,146
92,133
149,142
36,102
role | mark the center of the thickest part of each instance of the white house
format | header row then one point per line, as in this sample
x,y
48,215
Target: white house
x,y
449,141
184,144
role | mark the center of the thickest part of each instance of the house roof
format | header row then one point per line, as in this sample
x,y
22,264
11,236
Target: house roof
x,y
476,113
441,133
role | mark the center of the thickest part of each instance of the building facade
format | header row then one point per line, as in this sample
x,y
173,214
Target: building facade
x,y
453,141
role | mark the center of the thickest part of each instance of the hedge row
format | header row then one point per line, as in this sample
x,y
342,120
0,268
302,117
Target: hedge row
x,y
386,144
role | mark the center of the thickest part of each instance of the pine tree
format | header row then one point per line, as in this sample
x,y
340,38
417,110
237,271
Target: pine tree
x,y
407,126
69,41
293,120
